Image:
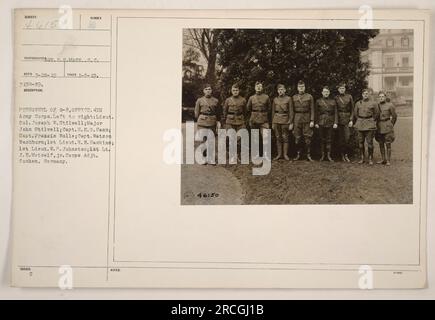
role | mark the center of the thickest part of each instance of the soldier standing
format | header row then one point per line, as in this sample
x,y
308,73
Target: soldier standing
x,y
327,119
234,112
385,134
303,119
366,114
345,106
282,121
259,108
206,111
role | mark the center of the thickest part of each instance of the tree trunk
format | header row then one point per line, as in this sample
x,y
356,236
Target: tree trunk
x,y
211,67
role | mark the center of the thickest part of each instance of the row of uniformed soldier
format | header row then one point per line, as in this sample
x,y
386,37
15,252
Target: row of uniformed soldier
x,y
301,114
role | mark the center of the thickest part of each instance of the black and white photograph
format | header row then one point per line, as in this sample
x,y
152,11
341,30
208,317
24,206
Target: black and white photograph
x,y
332,110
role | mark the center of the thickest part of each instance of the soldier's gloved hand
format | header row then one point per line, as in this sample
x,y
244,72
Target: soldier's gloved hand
x,y
311,124
218,125
350,124
335,126
290,127
317,126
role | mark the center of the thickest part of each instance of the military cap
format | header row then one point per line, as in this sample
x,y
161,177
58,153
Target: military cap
x,y
280,85
301,83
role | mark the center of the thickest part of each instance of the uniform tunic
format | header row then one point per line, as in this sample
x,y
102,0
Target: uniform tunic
x,y
304,108
366,114
282,117
206,111
326,112
304,114
259,107
345,106
387,117
234,111
282,110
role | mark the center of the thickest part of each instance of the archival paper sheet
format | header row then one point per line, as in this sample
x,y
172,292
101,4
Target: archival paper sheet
x,y
101,97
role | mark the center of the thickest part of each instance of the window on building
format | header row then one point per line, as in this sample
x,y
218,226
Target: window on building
x,y
405,61
389,62
390,43
405,42
390,83
405,81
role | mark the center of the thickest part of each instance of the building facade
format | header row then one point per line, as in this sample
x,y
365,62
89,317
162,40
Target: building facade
x,y
391,58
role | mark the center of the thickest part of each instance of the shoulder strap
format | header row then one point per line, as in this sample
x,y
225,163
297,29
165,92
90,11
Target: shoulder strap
x,y
339,97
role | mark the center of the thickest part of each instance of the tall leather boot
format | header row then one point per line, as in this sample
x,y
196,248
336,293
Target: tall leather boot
x,y
279,150
309,153
388,155
382,150
328,154
286,157
345,153
362,154
322,152
370,151
298,154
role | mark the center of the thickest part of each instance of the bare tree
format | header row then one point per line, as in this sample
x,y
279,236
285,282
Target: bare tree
x,y
205,40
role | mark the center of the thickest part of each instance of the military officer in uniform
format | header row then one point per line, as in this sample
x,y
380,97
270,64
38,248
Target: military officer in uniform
x,y
259,108
206,111
327,119
234,112
385,133
345,106
282,121
303,120
366,114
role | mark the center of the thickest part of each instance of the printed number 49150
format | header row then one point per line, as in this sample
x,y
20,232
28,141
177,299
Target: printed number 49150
x,y
208,195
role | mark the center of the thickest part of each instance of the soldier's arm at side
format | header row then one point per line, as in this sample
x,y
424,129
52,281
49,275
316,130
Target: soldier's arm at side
x,y
249,108
393,114
352,109
244,110
377,111
225,110
316,111
249,105
312,108
335,112
355,112
273,107
269,109
197,109
291,111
